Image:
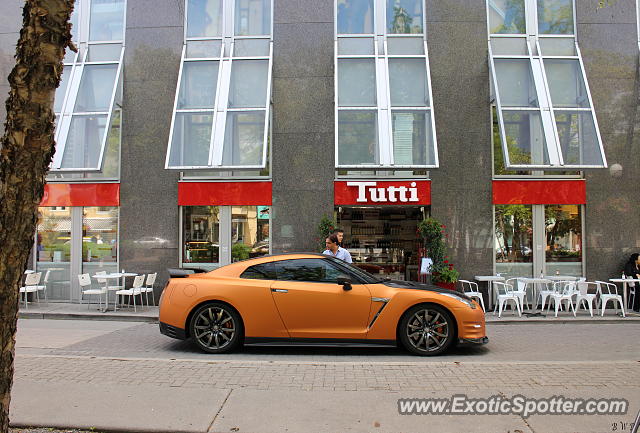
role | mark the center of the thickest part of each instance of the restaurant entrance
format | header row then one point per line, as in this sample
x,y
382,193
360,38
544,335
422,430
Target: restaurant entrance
x,y
383,240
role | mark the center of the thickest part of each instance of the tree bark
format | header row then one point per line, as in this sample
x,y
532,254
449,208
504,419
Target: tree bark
x,y
27,148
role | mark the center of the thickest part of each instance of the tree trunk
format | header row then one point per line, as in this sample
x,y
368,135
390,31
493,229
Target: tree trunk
x,y
26,150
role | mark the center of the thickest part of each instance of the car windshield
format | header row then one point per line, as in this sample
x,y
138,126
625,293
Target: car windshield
x,y
365,276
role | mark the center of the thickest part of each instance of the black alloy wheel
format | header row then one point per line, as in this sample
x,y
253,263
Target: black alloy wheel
x,y
427,330
216,328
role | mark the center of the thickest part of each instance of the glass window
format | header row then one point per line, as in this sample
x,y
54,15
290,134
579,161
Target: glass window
x,y
99,239
404,16
201,234
85,102
198,85
265,271
53,245
355,16
233,133
555,17
545,113
408,83
507,16
311,270
204,18
249,82
563,234
356,83
252,17
358,137
107,20
381,72
191,138
513,241
249,232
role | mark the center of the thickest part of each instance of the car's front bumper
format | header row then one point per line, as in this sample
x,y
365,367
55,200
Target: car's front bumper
x,y
172,331
470,341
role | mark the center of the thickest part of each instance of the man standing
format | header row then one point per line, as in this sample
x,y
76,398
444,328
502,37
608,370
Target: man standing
x,y
335,250
340,234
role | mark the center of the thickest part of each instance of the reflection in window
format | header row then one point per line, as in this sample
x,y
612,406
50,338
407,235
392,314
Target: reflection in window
x,y
555,17
201,234
205,18
99,239
513,241
312,270
404,16
53,245
507,17
563,232
249,232
358,138
355,16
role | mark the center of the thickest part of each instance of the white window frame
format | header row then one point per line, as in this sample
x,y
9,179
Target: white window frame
x,y
80,60
383,107
221,108
546,109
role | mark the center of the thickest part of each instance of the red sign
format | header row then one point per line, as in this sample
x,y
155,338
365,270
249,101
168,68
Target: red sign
x,y
81,194
382,193
539,192
224,194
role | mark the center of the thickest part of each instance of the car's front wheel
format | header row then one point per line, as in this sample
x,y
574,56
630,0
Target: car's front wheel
x,y
427,330
216,328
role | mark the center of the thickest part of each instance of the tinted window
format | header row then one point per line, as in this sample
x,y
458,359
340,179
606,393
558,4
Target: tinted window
x,y
316,270
264,271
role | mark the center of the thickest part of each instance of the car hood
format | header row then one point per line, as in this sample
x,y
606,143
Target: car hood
x,y
399,284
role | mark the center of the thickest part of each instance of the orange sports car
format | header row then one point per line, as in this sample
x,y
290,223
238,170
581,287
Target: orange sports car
x,y
315,299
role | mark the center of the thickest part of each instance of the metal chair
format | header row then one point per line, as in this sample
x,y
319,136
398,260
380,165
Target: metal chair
x,y
505,294
609,292
85,281
471,289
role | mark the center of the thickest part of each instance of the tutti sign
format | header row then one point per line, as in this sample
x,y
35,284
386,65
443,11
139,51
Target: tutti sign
x,y
386,193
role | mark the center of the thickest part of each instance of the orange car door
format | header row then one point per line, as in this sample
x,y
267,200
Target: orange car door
x,y
313,305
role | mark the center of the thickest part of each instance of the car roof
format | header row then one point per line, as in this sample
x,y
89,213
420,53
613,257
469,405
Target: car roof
x,y
235,269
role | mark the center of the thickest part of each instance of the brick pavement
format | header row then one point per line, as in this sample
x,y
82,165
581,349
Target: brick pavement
x,y
337,376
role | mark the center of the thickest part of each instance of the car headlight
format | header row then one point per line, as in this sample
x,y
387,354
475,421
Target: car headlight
x,y
465,301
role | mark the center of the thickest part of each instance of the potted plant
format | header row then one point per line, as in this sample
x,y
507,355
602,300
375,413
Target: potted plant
x,y
443,273
324,229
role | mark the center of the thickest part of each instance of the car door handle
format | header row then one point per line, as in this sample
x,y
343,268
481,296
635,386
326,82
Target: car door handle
x,y
280,290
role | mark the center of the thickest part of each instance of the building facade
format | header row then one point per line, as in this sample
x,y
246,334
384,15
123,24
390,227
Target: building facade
x,y
200,132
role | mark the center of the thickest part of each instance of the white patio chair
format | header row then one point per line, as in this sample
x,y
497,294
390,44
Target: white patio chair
x,y
584,296
30,286
134,291
148,287
564,291
545,293
471,289
85,289
505,294
609,292
43,287
519,289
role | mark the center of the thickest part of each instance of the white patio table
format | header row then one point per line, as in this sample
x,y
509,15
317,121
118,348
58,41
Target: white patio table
x,y
489,279
113,276
624,282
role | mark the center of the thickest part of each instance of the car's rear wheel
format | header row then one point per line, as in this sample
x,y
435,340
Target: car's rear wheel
x,y
427,330
216,328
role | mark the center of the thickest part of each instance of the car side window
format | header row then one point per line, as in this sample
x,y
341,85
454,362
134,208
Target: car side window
x,y
312,270
264,271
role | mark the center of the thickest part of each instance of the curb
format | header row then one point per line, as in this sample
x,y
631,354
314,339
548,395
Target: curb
x,y
568,321
81,316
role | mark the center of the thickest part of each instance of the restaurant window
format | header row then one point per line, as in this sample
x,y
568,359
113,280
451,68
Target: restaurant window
x,y
384,115
87,119
221,110
544,108
213,236
383,240
538,239
75,240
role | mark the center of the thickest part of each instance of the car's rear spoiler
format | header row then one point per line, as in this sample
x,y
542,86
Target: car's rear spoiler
x,y
184,272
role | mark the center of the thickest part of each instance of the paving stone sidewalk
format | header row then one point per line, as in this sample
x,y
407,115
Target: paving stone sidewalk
x,y
334,376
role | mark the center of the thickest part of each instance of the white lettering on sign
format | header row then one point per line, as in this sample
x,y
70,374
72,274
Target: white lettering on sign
x,y
369,191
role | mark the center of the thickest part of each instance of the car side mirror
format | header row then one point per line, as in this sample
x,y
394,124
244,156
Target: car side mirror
x,y
345,283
